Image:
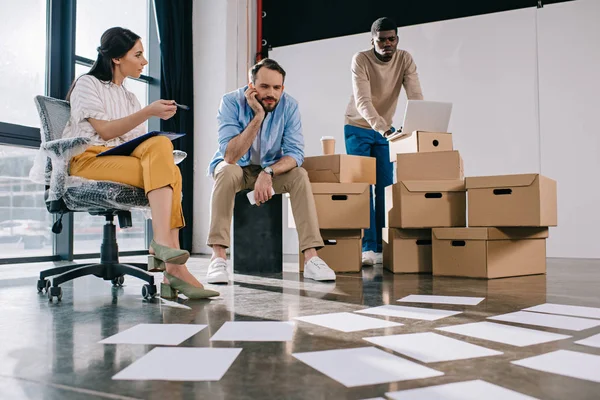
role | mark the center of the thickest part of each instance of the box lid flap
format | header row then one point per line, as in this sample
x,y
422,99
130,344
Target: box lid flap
x,y
319,163
401,136
339,188
323,176
411,233
332,234
486,182
435,186
490,233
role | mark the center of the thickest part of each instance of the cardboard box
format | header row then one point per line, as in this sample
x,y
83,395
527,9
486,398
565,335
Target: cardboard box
x,y
489,252
407,250
426,204
420,142
342,205
342,251
512,200
436,166
340,168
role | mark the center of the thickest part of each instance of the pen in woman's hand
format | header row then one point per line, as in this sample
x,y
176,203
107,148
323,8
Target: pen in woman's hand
x,y
183,107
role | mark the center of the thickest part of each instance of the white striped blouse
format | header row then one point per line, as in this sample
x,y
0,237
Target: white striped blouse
x,y
93,98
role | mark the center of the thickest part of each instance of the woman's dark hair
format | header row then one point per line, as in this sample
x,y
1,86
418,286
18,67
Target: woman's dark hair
x,y
114,43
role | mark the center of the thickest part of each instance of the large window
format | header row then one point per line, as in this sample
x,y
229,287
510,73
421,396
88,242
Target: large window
x,y
37,57
92,21
25,225
22,59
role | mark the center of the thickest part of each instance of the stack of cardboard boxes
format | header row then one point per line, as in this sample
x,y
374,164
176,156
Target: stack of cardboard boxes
x,y
340,185
426,232
428,192
509,216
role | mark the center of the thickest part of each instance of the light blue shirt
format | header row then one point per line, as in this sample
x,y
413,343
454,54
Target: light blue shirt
x,y
280,132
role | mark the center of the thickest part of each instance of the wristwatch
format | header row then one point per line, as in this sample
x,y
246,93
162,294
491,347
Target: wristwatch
x,y
268,170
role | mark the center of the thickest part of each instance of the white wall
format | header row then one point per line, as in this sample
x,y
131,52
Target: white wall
x,y
222,53
485,65
569,48
488,67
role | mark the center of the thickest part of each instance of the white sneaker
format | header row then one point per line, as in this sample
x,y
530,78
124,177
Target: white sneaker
x,y
318,270
217,271
378,258
368,258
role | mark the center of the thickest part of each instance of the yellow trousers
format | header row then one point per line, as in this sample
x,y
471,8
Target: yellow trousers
x,y
150,166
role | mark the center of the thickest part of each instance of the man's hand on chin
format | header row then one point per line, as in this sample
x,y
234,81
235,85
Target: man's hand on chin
x,y
263,188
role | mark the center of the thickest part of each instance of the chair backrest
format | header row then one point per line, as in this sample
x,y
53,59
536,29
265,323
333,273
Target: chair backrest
x,y
54,115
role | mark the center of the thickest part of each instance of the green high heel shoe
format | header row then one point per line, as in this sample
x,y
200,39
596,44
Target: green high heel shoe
x,y
176,285
168,254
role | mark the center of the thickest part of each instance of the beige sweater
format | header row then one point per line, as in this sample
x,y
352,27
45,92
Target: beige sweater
x,y
376,86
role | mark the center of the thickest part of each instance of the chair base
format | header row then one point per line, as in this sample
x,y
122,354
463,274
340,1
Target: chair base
x,y
109,268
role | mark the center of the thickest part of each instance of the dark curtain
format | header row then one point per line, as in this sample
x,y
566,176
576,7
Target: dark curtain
x,y
174,19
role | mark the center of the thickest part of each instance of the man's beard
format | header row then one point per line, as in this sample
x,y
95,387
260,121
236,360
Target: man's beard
x,y
269,107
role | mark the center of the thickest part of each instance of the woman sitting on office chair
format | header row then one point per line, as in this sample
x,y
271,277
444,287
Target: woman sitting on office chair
x,y
105,111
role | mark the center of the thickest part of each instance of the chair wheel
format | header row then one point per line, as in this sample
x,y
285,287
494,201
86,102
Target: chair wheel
x,y
55,291
43,285
149,291
118,281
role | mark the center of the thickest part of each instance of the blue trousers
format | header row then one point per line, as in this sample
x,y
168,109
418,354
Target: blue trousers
x,y
369,143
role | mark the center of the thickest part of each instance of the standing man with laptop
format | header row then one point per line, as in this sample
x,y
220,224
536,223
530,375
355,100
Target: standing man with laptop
x,y
378,75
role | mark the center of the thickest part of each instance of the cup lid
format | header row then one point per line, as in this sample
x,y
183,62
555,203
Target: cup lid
x,y
327,138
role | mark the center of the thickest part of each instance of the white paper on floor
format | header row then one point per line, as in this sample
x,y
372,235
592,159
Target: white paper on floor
x,y
575,311
592,341
255,331
348,322
180,364
427,314
548,320
501,333
159,334
430,347
458,300
364,366
567,363
469,390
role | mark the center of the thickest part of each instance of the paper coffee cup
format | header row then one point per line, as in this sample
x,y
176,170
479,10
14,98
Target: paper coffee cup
x,y
328,145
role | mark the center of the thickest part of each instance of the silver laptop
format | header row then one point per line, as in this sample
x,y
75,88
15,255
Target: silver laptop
x,y
426,116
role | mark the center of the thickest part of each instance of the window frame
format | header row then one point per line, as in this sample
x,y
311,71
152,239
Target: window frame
x,y
60,72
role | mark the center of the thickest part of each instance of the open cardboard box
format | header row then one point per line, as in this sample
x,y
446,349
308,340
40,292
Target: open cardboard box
x,y
342,251
407,250
512,200
426,204
340,168
420,142
489,252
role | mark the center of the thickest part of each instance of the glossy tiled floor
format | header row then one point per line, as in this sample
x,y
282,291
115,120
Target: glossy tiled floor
x,y
51,350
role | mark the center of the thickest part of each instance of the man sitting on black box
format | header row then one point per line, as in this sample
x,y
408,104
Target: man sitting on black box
x,y
261,147
378,75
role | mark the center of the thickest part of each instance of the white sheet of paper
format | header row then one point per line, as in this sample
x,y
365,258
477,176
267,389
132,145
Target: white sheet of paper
x,y
431,347
180,364
255,331
458,300
469,390
562,309
347,322
364,366
158,334
548,320
501,333
567,363
592,341
426,314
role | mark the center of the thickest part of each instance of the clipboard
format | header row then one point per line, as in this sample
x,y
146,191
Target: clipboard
x,y
127,148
